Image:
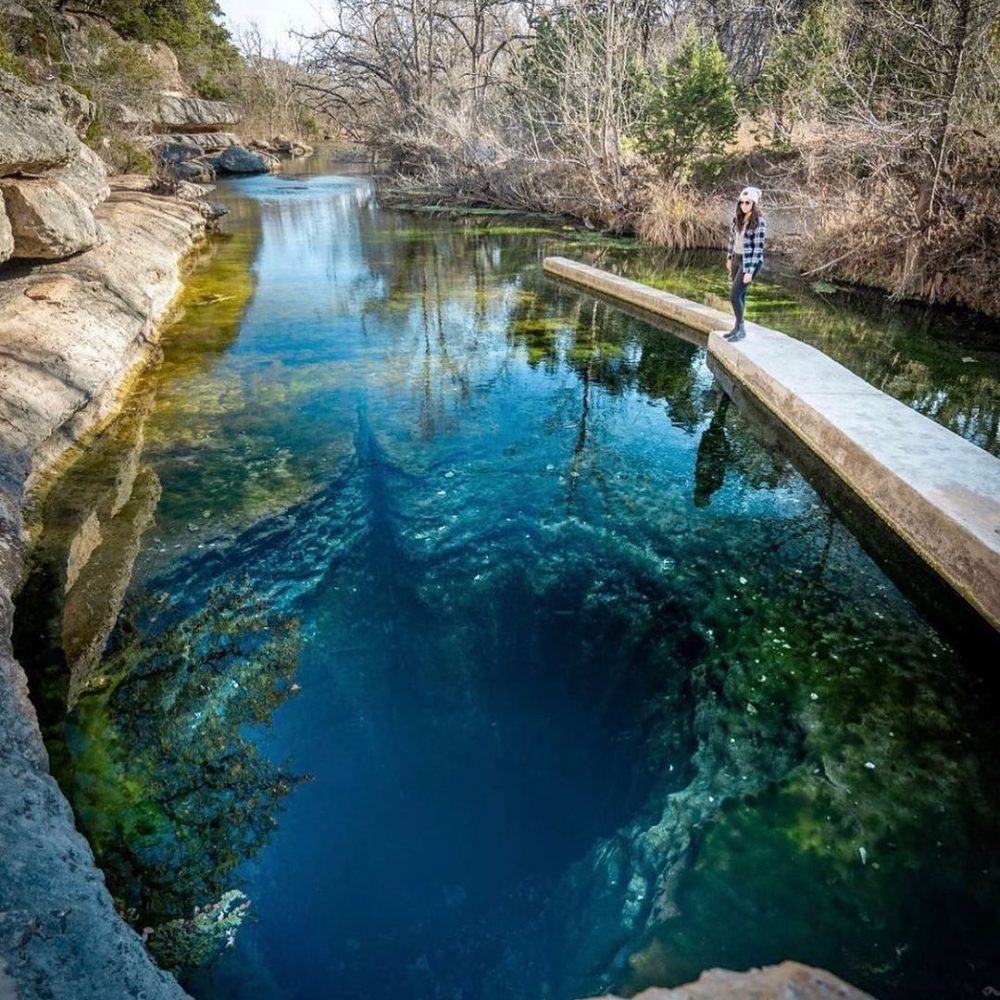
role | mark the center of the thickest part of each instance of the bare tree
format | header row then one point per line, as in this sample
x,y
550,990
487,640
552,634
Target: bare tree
x,y
576,95
268,84
395,64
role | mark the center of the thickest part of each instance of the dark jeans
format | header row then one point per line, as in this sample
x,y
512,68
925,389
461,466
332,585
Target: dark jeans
x,y
738,293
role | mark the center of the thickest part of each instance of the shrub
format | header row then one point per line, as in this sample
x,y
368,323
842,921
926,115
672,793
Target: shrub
x,y
10,63
799,73
126,157
211,89
114,72
691,107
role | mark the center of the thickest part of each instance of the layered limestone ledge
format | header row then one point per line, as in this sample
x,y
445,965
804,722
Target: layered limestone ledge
x,y
175,113
938,493
72,335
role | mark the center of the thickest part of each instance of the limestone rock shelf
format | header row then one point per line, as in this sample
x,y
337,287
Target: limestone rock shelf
x,y
71,335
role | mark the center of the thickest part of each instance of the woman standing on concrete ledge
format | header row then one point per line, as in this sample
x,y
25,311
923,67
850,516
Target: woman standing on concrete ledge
x,y
745,255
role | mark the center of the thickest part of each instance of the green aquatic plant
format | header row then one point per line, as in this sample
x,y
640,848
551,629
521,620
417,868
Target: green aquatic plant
x,y
159,760
586,239
219,284
831,765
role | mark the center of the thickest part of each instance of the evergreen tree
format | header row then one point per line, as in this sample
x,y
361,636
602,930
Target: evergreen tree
x,y
691,109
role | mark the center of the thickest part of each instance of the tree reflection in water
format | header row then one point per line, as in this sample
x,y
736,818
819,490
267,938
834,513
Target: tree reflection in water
x,y
159,759
712,457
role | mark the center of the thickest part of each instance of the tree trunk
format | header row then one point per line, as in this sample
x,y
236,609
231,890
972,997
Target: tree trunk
x,y
940,135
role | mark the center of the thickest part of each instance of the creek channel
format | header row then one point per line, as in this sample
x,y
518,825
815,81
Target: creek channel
x,y
460,622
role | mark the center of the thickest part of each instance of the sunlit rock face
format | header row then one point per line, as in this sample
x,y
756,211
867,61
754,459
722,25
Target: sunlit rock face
x,y
48,219
6,233
203,142
86,175
34,135
71,334
162,56
50,181
87,530
788,981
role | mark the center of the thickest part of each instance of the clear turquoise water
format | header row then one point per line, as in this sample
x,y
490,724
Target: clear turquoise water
x,y
590,680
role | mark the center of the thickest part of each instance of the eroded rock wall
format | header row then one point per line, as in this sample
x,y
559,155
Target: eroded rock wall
x,y
71,334
192,114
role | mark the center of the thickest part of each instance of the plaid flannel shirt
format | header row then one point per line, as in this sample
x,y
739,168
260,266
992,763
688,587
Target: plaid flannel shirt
x,y
753,246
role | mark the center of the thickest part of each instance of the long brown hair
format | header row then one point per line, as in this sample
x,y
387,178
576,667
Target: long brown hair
x,y
751,222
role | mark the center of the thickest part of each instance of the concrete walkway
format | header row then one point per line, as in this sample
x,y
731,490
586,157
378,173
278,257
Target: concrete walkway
x,y
938,492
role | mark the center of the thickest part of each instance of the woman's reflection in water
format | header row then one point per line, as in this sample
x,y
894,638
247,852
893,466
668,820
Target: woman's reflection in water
x,y
713,455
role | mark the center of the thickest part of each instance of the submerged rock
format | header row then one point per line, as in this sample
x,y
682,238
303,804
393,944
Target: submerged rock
x,y
199,939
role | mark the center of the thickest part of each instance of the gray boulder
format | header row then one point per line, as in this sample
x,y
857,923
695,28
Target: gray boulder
x,y
6,235
183,161
176,152
34,136
290,147
78,111
196,171
192,191
205,142
237,160
86,174
48,219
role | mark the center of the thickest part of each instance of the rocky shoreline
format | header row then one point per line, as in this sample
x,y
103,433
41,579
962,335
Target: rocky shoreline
x,y
73,334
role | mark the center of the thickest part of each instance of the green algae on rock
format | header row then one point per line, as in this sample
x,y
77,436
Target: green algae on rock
x,y
158,759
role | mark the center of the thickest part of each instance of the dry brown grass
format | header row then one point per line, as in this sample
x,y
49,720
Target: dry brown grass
x,y
871,233
680,218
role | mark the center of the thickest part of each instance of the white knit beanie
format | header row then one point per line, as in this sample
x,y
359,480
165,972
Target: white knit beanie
x,y
752,193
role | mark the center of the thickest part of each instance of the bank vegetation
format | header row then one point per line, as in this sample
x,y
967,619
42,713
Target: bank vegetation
x,y
871,124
